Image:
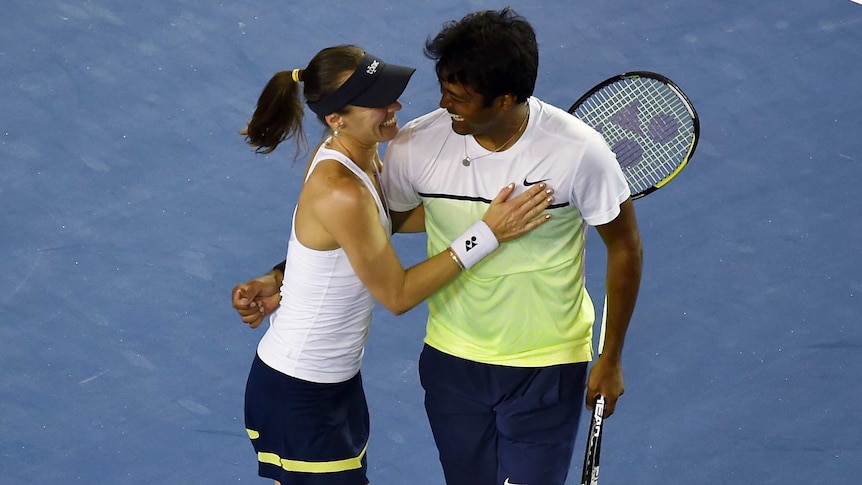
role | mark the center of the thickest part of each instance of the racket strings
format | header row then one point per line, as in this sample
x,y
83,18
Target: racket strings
x,y
648,125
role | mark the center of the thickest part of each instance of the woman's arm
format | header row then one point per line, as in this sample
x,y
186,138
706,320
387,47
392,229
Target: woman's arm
x,y
348,213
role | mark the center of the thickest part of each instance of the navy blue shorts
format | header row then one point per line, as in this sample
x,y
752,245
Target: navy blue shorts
x,y
306,433
495,423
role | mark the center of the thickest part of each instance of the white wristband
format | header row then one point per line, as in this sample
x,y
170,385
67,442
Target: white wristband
x,y
477,242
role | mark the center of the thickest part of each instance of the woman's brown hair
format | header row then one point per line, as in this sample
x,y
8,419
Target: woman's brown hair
x,y
280,110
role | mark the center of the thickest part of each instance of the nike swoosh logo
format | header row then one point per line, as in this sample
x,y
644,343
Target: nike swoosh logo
x,y
527,184
507,482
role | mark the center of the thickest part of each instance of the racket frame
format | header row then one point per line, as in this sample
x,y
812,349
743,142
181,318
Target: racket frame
x,y
590,470
679,93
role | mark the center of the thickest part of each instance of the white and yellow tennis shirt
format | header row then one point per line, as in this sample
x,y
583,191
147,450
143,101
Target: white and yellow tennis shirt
x,y
525,305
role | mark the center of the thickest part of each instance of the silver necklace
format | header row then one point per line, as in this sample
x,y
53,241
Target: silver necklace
x,y
375,164
376,161
466,161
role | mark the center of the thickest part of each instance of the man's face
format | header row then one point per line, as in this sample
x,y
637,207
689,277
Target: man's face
x,y
467,109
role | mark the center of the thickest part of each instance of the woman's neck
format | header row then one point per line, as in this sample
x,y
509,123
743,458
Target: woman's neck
x,y
362,154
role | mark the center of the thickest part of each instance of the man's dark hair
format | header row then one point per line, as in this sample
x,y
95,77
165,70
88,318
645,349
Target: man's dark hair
x,y
494,52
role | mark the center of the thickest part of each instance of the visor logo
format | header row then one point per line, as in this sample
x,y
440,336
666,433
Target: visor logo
x,y
372,68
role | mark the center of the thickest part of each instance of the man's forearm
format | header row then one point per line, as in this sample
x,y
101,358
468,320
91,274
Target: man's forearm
x,y
623,284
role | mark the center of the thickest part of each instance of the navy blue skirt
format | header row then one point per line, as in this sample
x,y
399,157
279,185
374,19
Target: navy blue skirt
x,y
307,433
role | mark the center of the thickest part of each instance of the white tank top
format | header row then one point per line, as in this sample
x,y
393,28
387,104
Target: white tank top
x,y
318,333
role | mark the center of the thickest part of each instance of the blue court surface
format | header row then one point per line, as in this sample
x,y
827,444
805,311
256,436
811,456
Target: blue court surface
x,y
131,207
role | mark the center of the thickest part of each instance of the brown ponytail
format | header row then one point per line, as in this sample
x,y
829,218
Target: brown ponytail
x,y
280,110
278,115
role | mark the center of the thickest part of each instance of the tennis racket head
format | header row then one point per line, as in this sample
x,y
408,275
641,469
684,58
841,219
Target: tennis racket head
x,y
590,470
648,122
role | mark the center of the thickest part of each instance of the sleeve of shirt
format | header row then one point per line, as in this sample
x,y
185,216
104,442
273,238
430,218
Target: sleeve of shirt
x,y
397,182
600,186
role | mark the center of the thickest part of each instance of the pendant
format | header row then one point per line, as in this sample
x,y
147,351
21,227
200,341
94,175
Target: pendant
x,y
466,162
